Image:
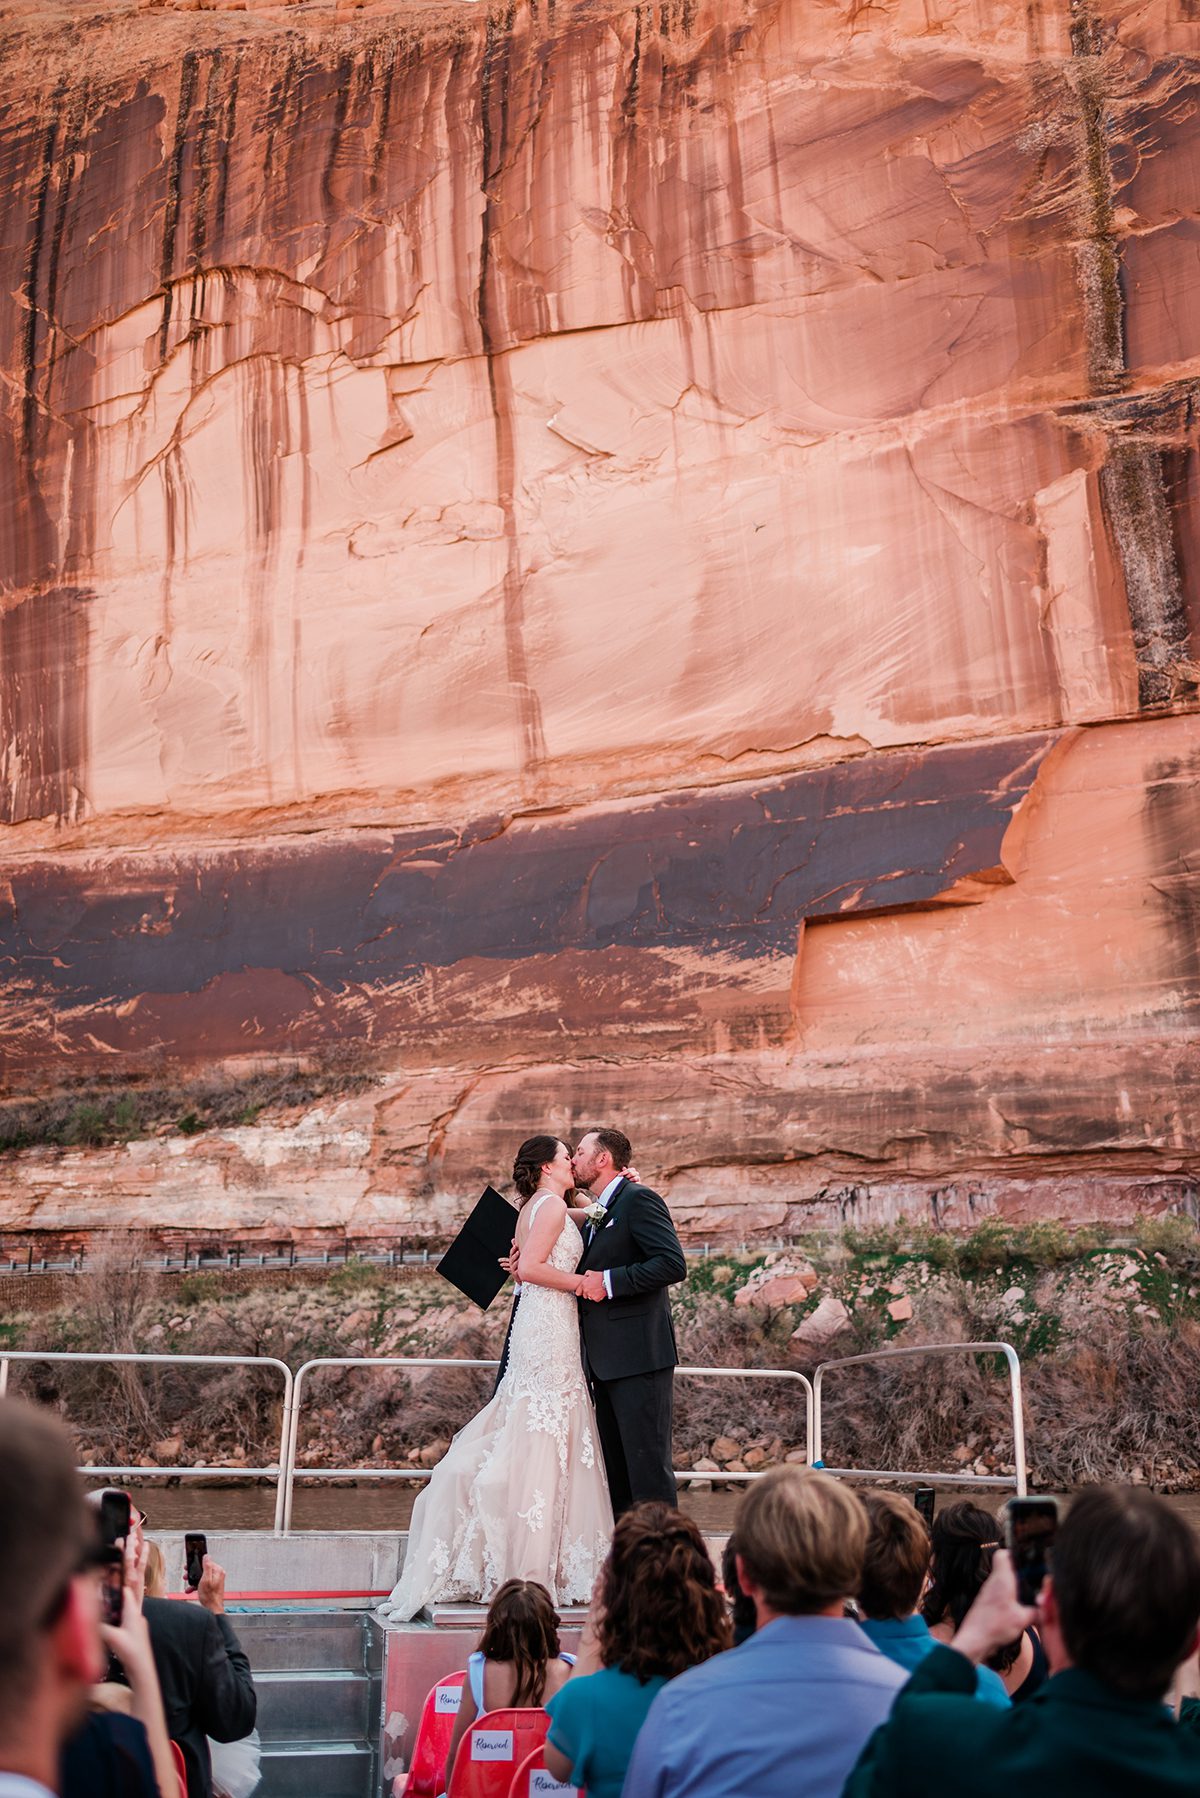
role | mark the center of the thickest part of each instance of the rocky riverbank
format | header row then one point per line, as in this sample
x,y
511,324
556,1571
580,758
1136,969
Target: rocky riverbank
x,y
1107,1330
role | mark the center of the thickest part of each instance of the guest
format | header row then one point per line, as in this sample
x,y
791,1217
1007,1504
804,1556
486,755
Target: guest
x,y
518,1664
741,1606
50,1649
895,1568
1118,1615
964,1539
122,1749
791,1708
205,1677
656,1611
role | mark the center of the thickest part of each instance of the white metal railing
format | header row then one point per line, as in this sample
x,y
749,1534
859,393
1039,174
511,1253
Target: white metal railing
x,y
1016,1480
687,1475
274,1472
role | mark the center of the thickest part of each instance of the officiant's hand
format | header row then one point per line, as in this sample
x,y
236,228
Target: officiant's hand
x,y
593,1285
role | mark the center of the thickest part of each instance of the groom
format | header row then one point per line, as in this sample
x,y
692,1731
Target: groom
x,y
629,1260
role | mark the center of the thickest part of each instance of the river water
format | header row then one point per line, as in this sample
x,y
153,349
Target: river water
x,y
388,1506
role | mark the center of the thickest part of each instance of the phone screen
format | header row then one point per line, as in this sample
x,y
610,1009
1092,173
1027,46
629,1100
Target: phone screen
x,y
1030,1526
112,1588
114,1518
925,1498
195,1547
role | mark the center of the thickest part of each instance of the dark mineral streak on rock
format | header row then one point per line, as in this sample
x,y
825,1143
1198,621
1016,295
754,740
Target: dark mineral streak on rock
x,y
1133,480
43,706
730,872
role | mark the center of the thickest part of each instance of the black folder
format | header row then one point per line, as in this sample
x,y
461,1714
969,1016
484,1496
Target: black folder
x,y
472,1262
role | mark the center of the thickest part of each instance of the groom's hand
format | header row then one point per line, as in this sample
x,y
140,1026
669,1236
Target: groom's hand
x,y
593,1285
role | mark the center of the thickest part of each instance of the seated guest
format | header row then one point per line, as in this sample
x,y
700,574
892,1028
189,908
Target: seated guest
x,y
741,1607
656,1611
518,1663
1118,1615
895,1569
964,1539
50,1652
788,1711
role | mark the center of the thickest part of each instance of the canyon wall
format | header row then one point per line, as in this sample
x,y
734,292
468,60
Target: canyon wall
x,y
627,563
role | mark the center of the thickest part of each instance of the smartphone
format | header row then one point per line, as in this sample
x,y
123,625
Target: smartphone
x,y
195,1547
1029,1528
112,1587
114,1518
924,1498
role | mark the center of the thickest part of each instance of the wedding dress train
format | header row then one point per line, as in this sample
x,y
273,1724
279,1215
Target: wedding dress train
x,y
521,1492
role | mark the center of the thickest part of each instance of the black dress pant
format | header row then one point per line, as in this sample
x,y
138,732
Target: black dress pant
x,y
634,1418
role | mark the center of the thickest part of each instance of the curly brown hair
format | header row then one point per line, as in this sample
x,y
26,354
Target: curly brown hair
x,y
661,1612
522,1629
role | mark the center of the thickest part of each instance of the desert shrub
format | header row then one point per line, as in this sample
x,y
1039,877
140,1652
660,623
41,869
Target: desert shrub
x,y
1169,1234
353,1276
987,1247
717,1336
1120,1399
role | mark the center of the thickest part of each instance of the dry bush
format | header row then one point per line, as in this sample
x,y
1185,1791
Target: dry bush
x,y
1122,1399
716,1335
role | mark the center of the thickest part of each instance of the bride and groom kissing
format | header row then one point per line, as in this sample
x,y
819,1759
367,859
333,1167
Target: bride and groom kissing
x,y
522,1493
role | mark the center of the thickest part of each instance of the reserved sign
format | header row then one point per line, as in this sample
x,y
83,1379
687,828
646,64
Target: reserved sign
x,y
446,1700
541,1782
491,1744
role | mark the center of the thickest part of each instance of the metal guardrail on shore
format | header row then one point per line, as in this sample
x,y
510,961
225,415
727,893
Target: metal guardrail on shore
x,y
284,1473
192,1260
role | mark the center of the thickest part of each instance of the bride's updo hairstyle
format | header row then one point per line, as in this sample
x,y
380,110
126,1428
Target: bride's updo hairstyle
x,y
532,1157
522,1626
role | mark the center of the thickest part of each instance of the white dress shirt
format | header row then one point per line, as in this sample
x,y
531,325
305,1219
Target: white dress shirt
x,y
605,1199
16,1785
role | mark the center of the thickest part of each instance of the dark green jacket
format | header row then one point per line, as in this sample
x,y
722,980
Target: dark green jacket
x,y
1074,1739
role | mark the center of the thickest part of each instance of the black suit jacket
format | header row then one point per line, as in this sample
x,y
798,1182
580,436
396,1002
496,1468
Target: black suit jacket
x,y
632,1332
206,1684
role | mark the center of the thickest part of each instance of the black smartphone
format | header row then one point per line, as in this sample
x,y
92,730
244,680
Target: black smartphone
x,y
924,1498
1029,1529
114,1518
195,1547
112,1587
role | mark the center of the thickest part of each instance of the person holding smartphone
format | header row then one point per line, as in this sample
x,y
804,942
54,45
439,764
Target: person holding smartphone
x,y
207,1686
1119,1612
122,1750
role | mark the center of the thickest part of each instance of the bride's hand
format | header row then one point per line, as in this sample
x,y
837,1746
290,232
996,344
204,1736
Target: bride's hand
x,y
512,1263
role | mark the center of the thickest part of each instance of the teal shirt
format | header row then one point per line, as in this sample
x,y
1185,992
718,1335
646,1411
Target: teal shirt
x,y
907,1640
594,1721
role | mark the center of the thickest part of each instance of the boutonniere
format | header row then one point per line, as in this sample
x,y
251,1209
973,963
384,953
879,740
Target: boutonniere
x,y
595,1213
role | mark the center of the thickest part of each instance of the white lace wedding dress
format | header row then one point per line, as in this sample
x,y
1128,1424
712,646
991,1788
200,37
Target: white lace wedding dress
x,y
521,1492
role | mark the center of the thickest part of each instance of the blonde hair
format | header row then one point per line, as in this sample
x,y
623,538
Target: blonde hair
x,y
156,1572
802,1538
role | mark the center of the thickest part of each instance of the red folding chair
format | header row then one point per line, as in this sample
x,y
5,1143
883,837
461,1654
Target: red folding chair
x,y
180,1769
492,1750
433,1737
531,1780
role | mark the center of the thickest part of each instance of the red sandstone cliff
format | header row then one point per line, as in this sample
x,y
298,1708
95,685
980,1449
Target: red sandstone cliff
x,y
640,563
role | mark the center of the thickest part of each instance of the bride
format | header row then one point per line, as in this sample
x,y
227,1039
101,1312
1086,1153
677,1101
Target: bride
x,y
521,1492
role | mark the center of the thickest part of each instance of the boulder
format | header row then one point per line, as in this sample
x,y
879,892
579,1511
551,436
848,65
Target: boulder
x,y
822,1325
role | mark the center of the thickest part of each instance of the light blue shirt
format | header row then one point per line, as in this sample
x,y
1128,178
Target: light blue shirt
x,y
787,1712
907,1640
